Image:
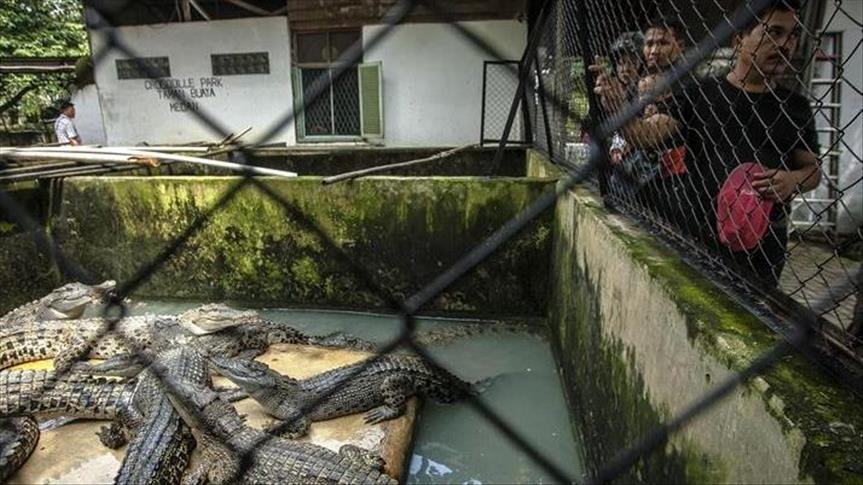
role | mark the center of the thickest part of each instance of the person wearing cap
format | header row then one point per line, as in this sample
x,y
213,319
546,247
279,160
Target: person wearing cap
x,y
751,146
64,128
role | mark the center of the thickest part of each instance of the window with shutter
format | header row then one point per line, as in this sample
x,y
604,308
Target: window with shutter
x,y
345,108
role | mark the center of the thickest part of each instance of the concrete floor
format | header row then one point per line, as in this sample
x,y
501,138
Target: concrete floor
x,y
811,270
72,454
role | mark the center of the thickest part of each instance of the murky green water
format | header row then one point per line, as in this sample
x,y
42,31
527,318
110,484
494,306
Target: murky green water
x,y
455,443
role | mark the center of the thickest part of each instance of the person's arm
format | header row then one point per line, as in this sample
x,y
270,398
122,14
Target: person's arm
x,y
652,131
649,132
780,185
803,173
72,134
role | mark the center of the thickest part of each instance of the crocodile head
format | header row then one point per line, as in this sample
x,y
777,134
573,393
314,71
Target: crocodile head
x,y
66,302
214,317
250,375
70,300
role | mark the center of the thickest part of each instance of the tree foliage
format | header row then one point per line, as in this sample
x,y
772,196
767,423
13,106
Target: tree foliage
x,y
40,28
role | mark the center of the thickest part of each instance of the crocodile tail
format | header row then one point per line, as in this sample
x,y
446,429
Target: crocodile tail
x,y
448,387
18,439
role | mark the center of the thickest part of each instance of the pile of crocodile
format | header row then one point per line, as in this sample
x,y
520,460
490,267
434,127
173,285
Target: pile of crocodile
x,y
154,389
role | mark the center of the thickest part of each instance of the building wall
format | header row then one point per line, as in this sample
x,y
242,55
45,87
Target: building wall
x,y
88,115
432,79
849,209
135,110
850,169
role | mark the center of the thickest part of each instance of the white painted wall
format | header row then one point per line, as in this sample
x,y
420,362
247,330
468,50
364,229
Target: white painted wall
x,y
432,79
849,215
88,115
132,113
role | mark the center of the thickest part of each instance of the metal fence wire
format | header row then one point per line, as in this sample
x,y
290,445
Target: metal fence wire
x,y
499,88
639,137
751,162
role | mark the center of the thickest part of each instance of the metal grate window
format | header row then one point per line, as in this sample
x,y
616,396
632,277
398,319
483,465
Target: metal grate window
x,y
143,68
336,112
243,63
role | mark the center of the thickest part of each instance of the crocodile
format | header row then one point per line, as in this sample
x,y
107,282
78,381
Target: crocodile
x,y
66,302
234,452
379,385
31,392
69,341
19,436
46,394
18,439
162,443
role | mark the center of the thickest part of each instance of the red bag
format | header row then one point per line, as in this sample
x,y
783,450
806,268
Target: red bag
x,y
742,215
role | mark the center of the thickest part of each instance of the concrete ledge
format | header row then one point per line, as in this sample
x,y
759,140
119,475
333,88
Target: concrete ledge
x,y
640,335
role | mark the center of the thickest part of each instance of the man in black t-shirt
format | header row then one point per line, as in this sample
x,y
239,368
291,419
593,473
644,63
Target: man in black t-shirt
x,y
744,119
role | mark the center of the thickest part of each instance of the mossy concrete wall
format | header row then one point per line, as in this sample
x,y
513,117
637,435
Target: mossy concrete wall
x,y
27,271
404,231
640,336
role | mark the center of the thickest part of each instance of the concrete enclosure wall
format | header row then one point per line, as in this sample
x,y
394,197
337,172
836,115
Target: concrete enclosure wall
x,y
432,79
138,110
404,232
640,336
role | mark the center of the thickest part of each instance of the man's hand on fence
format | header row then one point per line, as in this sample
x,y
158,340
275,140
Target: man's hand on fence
x,y
778,185
607,87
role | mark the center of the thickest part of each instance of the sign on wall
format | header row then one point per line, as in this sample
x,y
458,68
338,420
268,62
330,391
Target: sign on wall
x,y
184,94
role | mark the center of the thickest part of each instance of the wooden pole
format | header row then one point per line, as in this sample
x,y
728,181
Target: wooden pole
x,y
384,168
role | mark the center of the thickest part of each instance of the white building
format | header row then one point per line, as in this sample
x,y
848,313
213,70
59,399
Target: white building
x,y
417,85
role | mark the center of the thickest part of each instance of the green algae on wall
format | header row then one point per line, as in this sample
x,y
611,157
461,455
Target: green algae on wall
x,y
627,370
27,271
610,405
402,231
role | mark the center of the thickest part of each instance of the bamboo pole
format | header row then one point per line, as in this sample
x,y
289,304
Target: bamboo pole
x,y
134,156
80,157
161,148
384,168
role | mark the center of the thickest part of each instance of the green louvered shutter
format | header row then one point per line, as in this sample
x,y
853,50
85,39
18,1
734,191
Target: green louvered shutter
x,y
371,100
297,87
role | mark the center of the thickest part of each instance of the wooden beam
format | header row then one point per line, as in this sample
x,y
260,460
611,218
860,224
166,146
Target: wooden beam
x,y
249,7
280,10
185,10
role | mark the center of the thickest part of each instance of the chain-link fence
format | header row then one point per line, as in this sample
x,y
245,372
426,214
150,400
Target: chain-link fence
x,y
751,162
499,85
666,180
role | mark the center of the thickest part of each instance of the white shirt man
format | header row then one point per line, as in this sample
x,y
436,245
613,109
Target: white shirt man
x,y
63,126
